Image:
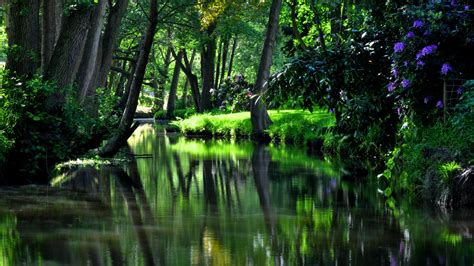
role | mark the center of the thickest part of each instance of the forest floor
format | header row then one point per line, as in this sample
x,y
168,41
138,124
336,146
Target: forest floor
x,y
292,126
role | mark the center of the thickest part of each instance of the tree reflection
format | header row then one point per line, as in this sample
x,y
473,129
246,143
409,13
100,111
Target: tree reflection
x,y
215,202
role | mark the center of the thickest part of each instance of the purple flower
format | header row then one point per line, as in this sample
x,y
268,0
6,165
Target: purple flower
x,y
429,49
418,24
446,68
399,47
420,63
395,72
454,3
405,63
391,86
467,7
406,83
460,91
399,111
410,34
419,55
439,104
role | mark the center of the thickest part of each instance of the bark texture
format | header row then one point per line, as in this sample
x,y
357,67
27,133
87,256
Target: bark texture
x,y
208,58
52,20
92,56
68,53
110,37
125,128
259,115
23,37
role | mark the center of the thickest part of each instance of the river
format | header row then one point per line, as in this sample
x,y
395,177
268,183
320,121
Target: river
x,y
214,202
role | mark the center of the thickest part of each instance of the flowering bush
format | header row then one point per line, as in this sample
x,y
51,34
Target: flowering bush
x,y
233,95
436,44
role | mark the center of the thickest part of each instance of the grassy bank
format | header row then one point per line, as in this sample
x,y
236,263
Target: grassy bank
x,y
288,125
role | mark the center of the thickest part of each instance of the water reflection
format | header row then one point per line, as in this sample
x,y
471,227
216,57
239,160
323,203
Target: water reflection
x,y
219,203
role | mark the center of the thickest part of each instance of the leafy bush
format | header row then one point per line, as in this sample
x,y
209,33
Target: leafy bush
x,y
348,80
436,150
436,46
233,95
40,138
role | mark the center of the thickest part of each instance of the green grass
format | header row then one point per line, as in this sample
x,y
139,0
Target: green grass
x,y
288,125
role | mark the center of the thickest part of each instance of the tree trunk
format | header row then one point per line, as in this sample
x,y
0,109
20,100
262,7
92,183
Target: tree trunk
x,y
91,57
123,101
110,37
174,86
23,37
125,128
52,17
124,76
259,115
161,81
218,65
67,54
224,59
187,68
232,55
208,57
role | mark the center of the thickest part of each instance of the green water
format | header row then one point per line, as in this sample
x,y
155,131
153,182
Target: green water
x,y
204,202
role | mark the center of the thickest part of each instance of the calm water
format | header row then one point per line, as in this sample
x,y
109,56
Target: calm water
x,y
208,202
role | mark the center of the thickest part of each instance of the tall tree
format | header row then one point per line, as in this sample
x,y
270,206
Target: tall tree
x,y
232,55
174,86
23,37
126,128
110,37
208,58
67,54
259,115
91,57
52,18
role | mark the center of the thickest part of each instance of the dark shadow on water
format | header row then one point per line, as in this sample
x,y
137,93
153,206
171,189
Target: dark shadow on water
x,y
212,202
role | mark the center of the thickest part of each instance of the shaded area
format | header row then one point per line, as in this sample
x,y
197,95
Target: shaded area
x,y
215,202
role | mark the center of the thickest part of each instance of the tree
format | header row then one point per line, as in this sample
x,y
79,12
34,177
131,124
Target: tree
x,y
259,115
67,54
174,86
125,127
23,37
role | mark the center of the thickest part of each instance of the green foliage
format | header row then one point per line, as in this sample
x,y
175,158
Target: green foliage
x,y
428,156
233,95
40,137
435,46
3,44
288,125
447,170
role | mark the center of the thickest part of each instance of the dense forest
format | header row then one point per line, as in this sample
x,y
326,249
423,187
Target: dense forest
x,y
391,74
382,89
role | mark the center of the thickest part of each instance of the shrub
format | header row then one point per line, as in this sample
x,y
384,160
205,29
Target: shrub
x,y
233,95
436,45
